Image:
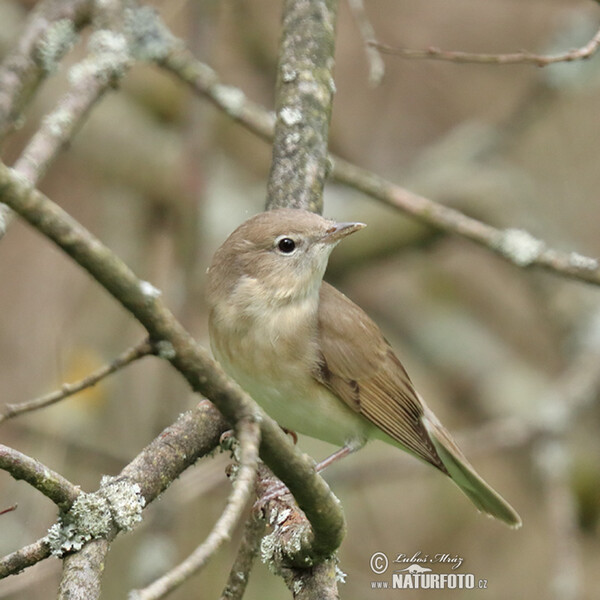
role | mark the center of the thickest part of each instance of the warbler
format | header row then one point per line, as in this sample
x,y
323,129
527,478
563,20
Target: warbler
x,y
313,359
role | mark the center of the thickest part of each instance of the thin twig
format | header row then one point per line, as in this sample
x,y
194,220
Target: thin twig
x,y
53,485
376,64
515,245
242,565
130,355
107,61
514,58
248,433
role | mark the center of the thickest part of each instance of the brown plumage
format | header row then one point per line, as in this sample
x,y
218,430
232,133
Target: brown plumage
x,y
312,358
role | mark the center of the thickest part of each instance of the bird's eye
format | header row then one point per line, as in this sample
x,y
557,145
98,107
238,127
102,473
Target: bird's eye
x,y
286,245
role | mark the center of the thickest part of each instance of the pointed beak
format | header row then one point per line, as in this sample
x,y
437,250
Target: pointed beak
x,y
341,230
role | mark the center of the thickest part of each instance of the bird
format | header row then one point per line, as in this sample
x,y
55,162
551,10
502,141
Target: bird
x,y
312,358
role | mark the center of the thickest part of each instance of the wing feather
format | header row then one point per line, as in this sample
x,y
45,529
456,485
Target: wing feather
x,y
360,367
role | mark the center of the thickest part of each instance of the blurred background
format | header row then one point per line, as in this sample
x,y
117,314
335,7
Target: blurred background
x,y
508,358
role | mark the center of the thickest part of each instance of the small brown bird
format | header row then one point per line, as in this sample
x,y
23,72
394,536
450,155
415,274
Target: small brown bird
x,y
312,358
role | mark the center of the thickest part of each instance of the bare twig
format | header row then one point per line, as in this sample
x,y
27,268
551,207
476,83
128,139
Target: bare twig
x,y
107,61
376,64
515,245
248,433
514,58
553,460
130,355
242,565
49,31
53,485
18,561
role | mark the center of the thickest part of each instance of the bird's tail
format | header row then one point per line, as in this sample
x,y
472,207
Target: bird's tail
x,y
483,496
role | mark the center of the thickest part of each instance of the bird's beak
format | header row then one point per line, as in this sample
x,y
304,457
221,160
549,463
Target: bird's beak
x,y
341,230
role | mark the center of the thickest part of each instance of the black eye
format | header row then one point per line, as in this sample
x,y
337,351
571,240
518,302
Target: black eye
x,y
286,245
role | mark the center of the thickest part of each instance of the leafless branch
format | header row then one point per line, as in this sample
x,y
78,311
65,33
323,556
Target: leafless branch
x,y
53,485
514,58
25,557
515,245
143,301
242,565
303,99
107,61
248,433
49,31
376,64
130,355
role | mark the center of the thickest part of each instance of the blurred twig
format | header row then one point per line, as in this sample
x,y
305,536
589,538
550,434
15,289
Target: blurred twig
x,y
376,64
106,62
248,433
514,58
130,355
515,245
38,51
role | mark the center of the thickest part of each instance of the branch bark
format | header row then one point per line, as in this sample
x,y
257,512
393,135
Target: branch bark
x,y
305,89
53,485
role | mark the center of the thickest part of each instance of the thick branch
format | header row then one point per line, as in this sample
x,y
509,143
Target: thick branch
x,y
304,97
53,485
193,435
203,374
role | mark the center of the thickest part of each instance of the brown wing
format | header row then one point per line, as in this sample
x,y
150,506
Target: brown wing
x,y
360,367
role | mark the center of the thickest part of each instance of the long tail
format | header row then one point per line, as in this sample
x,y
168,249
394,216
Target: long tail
x,y
483,496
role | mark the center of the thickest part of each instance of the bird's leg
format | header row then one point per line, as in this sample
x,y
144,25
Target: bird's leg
x,y
337,455
292,434
281,488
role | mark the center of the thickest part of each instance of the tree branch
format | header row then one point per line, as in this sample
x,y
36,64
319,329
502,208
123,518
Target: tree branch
x,y
515,245
304,96
53,485
248,434
193,435
18,561
514,58
41,46
130,355
143,301
376,64
242,565
107,61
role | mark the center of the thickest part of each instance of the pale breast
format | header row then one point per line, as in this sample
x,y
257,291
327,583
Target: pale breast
x,y
273,359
